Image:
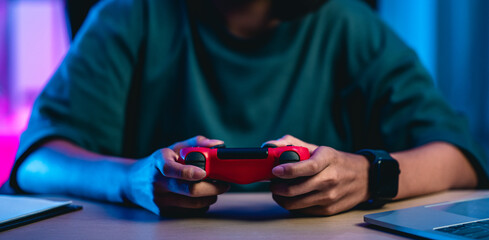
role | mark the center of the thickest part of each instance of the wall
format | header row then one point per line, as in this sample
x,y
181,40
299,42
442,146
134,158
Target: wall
x,y
452,40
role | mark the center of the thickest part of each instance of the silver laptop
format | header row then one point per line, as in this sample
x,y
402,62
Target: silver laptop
x,y
467,219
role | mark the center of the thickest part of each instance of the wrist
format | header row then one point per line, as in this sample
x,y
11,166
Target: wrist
x,y
111,177
361,167
130,174
123,181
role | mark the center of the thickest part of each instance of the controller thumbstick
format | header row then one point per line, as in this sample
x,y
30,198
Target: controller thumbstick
x,y
289,157
196,159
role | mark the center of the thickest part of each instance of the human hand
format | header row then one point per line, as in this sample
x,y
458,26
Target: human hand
x,y
328,183
163,186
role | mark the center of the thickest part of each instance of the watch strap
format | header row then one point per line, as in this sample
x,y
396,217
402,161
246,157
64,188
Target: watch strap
x,y
373,155
376,157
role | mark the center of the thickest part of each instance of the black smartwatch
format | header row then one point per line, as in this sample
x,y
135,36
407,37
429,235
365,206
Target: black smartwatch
x,y
383,177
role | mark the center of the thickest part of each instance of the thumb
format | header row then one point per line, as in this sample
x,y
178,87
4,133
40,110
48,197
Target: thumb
x,y
167,164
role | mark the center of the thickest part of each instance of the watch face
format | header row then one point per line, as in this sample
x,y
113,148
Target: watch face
x,y
387,178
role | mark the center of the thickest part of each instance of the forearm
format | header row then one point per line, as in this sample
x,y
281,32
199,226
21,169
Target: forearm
x,y
431,168
60,167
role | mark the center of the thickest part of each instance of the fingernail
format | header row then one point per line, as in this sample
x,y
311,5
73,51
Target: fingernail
x,y
278,171
214,141
199,174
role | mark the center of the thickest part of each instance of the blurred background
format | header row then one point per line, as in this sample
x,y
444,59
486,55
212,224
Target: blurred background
x,y
450,36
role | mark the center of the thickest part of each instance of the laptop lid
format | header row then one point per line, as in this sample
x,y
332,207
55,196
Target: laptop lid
x,y
431,221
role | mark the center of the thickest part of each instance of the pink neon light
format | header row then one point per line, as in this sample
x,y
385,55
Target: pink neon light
x,y
8,146
37,43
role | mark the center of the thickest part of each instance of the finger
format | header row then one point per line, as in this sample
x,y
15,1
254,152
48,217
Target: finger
x,y
290,140
166,162
320,159
204,188
291,187
340,206
176,200
190,189
297,202
316,198
300,186
197,141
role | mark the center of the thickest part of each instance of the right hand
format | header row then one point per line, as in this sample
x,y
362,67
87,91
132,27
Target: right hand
x,y
163,186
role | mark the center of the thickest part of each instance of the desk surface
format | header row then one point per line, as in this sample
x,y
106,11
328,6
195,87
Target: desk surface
x,y
234,216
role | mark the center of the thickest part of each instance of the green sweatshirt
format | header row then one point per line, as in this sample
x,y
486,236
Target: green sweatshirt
x,y
144,74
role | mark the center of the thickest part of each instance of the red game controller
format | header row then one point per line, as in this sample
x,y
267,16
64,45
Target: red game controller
x,y
241,165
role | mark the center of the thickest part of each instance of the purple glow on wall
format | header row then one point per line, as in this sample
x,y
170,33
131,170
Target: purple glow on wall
x,y
37,41
37,47
3,57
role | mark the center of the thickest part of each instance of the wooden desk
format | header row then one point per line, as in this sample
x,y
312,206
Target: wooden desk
x,y
234,216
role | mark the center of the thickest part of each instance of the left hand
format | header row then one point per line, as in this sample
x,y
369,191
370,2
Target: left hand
x,y
328,183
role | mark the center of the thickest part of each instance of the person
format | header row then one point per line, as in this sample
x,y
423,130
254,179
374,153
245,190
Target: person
x,y
143,76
